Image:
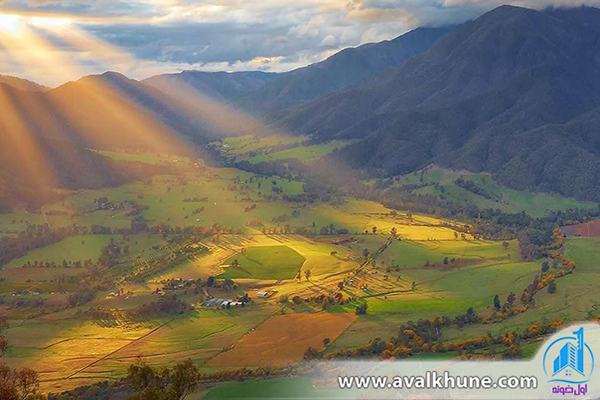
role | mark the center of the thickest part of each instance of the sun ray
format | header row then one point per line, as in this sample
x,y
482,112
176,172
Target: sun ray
x,y
29,49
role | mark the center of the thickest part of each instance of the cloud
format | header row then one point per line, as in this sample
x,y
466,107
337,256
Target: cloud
x,y
274,35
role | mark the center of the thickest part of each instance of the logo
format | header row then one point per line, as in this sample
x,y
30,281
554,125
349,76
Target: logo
x,y
569,359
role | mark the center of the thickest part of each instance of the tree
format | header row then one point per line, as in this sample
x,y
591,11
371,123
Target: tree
x,y
552,287
497,305
510,300
394,232
545,266
361,309
366,253
374,230
210,281
169,383
505,245
307,274
312,354
139,224
228,284
445,260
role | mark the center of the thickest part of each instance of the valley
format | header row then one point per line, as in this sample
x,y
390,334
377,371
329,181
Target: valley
x,y
214,265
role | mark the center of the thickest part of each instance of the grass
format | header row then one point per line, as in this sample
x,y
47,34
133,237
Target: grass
x,y
280,388
506,199
409,253
76,248
265,262
249,144
58,347
146,158
303,153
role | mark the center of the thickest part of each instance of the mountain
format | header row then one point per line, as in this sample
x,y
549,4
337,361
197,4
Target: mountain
x,y
514,92
222,86
339,71
111,110
45,137
22,84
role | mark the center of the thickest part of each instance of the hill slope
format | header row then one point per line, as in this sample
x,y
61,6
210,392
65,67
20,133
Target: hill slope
x,y
339,71
514,92
22,84
222,86
45,136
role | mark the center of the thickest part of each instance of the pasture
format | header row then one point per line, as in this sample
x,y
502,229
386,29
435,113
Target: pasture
x,y
76,248
268,262
494,195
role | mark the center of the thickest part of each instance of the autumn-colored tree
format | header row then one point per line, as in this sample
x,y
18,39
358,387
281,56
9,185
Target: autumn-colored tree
x,y
15,384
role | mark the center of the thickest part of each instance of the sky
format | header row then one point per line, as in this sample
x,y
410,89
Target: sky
x,y
143,38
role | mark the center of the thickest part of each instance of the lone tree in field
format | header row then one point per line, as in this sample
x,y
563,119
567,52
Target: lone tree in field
x,y
552,287
362,309
366,253
374,230
505,245
497,305
307,274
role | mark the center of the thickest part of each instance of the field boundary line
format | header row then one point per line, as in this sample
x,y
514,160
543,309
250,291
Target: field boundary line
x,y
119,349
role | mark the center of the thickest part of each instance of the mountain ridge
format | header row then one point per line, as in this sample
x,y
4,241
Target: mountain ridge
x,y
505,77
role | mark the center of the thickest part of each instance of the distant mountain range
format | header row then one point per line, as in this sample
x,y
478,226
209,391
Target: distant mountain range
x,y
264,93
339,71
222,86
515,92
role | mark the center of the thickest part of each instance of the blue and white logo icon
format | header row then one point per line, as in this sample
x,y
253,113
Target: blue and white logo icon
x,y
569,359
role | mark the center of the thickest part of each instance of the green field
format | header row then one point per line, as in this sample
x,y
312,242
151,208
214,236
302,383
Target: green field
x,y
76,248
268,262
146,158
503,198
302,153
266,389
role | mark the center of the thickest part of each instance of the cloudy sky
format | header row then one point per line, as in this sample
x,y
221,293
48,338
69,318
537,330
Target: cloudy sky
x,y
145,37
